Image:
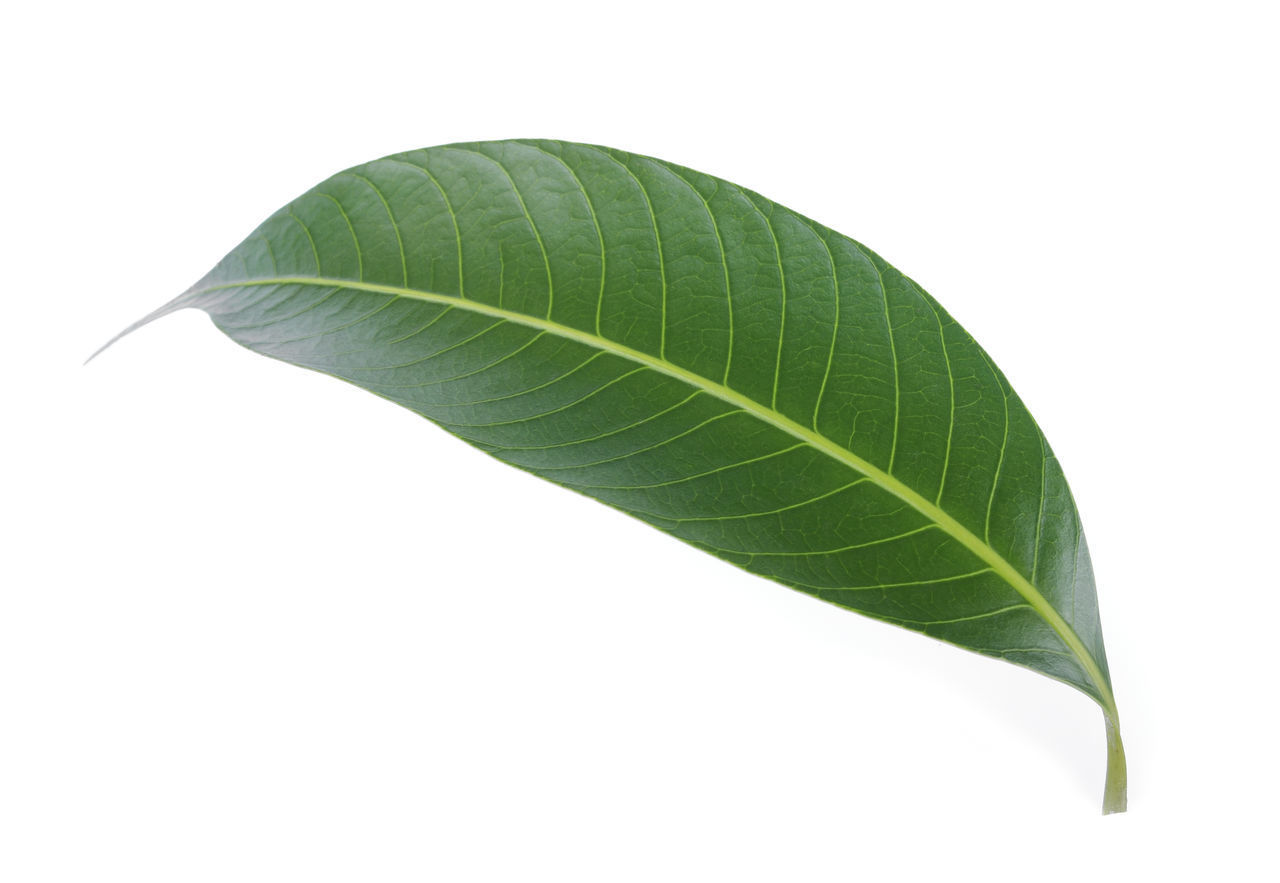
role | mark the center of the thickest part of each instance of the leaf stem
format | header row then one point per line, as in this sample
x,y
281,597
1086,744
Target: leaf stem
x,y
1115,794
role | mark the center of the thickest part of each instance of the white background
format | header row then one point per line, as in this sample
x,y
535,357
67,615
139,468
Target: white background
x,y
257,625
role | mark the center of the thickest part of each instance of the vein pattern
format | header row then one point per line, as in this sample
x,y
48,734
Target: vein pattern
x,y
698,356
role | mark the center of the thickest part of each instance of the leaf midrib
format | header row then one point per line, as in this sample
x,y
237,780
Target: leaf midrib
x,y
877,476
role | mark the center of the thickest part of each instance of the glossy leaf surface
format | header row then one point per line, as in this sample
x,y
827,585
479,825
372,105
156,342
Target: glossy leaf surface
x,y
698,356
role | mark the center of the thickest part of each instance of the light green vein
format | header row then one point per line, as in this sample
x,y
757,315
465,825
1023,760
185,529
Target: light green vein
x,y
395,227
893,355
546,261
444,381
1004,445
315,252
818,553
328,331
621,429
1044,477
448,206
657,240
271,254
524,392
541,414
295,314
835,324
595,219
350,227
759,514
951,386
645,450
461,344
724,263
682,479
782,310
929,622
830,448
917,582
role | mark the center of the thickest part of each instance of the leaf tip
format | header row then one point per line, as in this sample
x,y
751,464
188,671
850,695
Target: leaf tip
x,y
171,307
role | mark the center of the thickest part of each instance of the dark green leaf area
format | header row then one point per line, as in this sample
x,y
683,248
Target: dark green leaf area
x,y
689,352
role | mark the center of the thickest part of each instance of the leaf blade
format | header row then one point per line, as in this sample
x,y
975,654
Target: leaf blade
x,y
689,352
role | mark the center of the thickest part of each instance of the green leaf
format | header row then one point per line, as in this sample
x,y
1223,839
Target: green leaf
x,y
687,351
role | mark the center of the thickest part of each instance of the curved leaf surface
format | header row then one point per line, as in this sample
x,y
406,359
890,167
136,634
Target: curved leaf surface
x,y
700,357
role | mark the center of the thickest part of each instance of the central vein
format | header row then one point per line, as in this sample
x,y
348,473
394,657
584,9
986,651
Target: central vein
x,y
879,477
